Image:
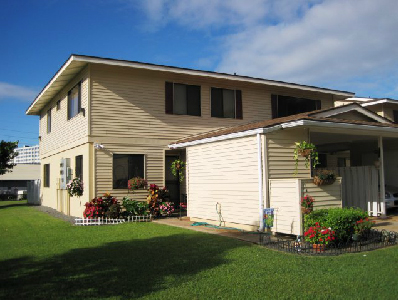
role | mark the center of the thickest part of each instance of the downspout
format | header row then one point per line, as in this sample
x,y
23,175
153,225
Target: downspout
x,y
260,184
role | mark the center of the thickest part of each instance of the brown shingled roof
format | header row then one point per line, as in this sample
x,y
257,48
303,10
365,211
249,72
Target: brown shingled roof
x,y
278,121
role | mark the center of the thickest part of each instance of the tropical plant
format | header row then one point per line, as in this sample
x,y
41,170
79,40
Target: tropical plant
x,y
135,208
7,155
166,208
308,151
155,197
105,206
75,187
178,169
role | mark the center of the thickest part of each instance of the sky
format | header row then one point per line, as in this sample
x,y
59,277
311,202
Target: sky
x,y
337,44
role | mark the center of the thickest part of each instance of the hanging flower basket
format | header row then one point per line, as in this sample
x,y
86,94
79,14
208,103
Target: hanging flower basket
x,y
324,177
305,152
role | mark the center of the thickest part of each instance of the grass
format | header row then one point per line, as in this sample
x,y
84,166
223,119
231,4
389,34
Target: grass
x,y
46,258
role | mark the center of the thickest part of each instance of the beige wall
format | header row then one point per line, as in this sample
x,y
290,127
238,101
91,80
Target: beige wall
x,y
285,196
281,145
326,196
225,172
64,131
52,196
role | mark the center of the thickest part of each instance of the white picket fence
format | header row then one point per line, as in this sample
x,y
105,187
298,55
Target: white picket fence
x,y
108,221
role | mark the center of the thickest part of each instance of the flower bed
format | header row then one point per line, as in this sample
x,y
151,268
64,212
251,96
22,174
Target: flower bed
x,y
373,240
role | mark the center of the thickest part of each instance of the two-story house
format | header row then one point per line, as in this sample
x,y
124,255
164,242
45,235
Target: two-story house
x,y
108,120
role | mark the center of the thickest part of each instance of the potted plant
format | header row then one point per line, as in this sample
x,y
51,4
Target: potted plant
x,y
75,187
324,177
308,151
136,183
307,204
319,237
178,168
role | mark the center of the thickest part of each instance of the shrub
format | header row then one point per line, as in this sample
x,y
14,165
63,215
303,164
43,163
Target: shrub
x,y
135,208
319,235
155,197
105,206
307,204
340,220
166,208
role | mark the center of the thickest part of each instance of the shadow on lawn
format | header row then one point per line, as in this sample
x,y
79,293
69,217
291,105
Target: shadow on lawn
x,y
126,269
13,205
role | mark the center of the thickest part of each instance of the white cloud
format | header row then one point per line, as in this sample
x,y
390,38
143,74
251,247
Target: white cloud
x,y
333,40
200,14
342,44
12,91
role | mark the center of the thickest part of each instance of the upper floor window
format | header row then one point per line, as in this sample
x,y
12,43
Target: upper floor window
x,y
49,121
125,167
395,112
74,101
182,99
283,106
58,105
226,103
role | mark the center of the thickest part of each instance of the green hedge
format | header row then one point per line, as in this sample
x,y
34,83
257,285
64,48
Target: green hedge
x,y
341,220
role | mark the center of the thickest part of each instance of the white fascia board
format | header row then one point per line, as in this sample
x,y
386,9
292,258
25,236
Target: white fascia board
x,y
138,65
60,71
375,129
380,102
224,137
348,108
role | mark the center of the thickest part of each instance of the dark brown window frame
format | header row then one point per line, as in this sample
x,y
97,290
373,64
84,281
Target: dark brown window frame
x,y
46,175
170,99
238,114
79,100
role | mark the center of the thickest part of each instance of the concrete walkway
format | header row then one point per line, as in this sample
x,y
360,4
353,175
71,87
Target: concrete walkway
x,y
251,237
389,223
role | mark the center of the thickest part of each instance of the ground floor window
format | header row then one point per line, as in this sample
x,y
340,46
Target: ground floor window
x,y
125,167
46,175
79,166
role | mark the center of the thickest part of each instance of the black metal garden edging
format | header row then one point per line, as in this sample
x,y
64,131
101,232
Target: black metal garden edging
x,y
373,240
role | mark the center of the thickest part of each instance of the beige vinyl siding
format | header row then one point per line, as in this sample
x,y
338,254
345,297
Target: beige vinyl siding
x,y
64,131
326,196
154,168
284,197
281,145
131,103
224,172
353,115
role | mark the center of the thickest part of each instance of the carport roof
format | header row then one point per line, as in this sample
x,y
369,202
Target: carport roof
x,y
320,116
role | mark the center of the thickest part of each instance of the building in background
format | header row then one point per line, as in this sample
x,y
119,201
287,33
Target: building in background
x,y
27,155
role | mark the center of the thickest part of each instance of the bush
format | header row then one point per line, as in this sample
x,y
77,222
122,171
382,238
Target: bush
x,y
135,208
340,220
155,198
105,206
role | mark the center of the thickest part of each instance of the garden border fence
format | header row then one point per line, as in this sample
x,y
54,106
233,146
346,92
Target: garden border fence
x,y
109,221
374,240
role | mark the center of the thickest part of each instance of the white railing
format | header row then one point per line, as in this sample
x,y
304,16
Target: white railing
x,y
108,221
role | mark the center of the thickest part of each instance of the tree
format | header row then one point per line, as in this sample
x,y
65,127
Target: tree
x,y
7,155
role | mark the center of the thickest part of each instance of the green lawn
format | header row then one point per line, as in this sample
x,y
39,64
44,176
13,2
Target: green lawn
x,y
45,258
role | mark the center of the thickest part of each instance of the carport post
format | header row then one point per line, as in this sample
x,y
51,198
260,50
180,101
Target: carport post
x,y
381,176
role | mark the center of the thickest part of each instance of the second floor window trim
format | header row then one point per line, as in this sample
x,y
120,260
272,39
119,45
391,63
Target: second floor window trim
x,y
74,101
49,121
221,106
183,99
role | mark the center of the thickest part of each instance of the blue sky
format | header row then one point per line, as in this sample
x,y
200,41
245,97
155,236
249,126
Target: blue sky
x,y
333,43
